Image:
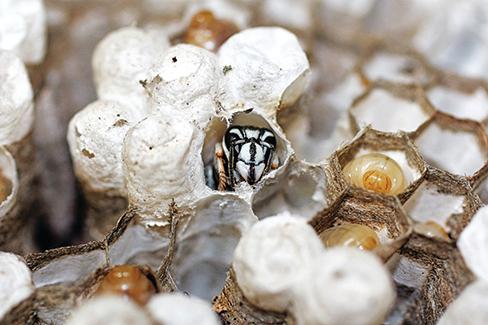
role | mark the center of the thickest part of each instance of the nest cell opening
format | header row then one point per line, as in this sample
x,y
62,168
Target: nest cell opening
x,y
394,67
428,203
451,148
206,246
472,105
388,113
204,259
215,133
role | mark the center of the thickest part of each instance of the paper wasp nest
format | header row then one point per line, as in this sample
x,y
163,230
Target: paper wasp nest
x,y
304,172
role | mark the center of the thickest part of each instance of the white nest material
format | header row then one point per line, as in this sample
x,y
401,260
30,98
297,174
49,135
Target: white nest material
x,y
186,77
180,309
473,244
267,69
271,259
469,308
15,282
109,310
123,59
23,29
95,137
159,161
16,105
345,286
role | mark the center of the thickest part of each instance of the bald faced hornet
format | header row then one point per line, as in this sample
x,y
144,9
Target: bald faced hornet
x,y
245,154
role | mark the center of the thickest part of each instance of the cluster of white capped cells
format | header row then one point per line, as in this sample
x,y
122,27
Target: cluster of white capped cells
x,y
143,138
281,265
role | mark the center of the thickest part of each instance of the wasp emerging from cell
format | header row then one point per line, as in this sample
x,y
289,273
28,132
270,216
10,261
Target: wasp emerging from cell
x,y
246,153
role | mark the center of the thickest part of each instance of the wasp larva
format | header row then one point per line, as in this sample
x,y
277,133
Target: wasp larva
x,y
207,31
352,235
432,229
128,281
376,172
5,187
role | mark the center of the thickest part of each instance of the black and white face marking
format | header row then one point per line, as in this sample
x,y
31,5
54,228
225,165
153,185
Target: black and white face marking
x,y
249,151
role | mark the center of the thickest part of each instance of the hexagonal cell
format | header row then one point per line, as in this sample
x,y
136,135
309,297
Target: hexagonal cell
x,y
395,67
341,60
470,104
206,237
428,276
206,244
442,206
459,147
126,243
391,108
376,156
453,37
382,214
301,192
322,124
60,273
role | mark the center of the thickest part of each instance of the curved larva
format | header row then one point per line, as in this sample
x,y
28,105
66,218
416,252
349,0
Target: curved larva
x,y
376,172
350,235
